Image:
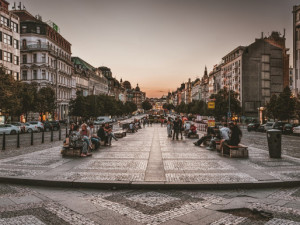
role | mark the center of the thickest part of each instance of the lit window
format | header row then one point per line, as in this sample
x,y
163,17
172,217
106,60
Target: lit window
x,y
4,21
7,39
7,56
16,60
14,26
16,44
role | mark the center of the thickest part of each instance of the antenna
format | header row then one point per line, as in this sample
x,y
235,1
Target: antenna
x,y
20,6
14,7
24,7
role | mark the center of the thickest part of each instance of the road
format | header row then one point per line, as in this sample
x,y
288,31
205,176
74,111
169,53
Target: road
x,y
290,143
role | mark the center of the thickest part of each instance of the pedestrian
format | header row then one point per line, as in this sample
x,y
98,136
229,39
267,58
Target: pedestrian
x,y
176,128
181,127
209,133
169,127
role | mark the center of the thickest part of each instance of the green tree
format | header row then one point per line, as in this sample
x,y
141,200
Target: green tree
x,y
146,105
272,108
77,106
286,104
46,101
28,98
222,104
9,87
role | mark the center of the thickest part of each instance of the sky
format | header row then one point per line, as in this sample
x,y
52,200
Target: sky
x,y
159,44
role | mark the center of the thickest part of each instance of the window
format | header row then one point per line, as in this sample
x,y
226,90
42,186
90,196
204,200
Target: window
x,y
4,21
265,75
7,56
16,60
35,75
38,30
24,58
16,44
265,84
43,58
265,58
7,39
34,58
16,75
266,67
44,74
24,29
14,26
24,43
24,74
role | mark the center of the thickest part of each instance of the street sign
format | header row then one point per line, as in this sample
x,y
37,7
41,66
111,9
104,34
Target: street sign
x,y
229,114
211,105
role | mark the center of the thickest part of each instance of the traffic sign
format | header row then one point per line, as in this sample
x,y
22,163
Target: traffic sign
x,y
211,105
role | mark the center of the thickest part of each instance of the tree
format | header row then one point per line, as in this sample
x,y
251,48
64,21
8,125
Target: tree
x,y
286,104
146,105
28,98
272,108
9,87
77,106
46,101
130,107
222,104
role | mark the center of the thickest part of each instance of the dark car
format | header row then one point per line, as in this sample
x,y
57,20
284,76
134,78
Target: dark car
x,y
279,125
287,128
51,125
253,126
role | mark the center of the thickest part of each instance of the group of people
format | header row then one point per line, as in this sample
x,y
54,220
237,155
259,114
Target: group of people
x,y
83,136
231,135
178,126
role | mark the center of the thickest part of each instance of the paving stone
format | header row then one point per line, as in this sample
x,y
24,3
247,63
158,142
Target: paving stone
x,y
26,199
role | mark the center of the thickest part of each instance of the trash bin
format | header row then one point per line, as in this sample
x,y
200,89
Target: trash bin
x,y
274,143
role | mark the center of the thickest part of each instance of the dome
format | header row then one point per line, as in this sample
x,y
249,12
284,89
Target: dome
x,y
137,88
126,85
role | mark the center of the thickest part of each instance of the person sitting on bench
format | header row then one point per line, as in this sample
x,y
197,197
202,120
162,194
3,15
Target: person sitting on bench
x,y
193,130
235,137
210,132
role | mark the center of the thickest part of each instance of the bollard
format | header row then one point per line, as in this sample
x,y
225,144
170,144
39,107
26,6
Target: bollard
x,y
18,140
51,135
3,143
43,136
31,138
59,134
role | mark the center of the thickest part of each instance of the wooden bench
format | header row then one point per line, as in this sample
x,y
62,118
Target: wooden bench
x,y
194,136
67,151
119,135
240,151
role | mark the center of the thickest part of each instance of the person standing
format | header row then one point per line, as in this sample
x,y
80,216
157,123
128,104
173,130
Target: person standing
x,y
169,127
181,127
176,128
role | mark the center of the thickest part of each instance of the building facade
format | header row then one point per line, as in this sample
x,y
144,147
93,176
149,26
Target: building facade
x,y
9,40
46,59
296,49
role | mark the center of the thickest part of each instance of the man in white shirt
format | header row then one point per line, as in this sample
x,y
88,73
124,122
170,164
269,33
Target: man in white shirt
x,y
225,132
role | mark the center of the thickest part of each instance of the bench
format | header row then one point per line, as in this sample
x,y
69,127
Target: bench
x,y
240,151
68,151
119,135
194,136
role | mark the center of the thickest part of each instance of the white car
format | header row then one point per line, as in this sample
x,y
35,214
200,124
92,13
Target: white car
x,y
31,128
39,125
296,130
9,129
102,119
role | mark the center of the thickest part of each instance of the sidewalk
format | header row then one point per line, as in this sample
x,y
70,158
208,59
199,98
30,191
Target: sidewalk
x,y
149,158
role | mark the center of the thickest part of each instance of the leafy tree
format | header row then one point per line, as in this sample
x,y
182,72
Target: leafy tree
x,y
77,106
46,101
286,104
222,104
9,101
146,105
28,98
272,107
130,107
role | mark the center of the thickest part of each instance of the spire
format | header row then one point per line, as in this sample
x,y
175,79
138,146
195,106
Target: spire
x,y
205,76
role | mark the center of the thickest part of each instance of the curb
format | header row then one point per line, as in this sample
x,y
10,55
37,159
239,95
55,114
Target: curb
x,y
146,185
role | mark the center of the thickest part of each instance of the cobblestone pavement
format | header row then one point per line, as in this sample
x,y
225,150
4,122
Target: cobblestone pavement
x,y
23,205
290,143
149,155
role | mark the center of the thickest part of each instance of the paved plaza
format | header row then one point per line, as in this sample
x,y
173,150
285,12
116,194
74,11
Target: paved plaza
x,y
150,157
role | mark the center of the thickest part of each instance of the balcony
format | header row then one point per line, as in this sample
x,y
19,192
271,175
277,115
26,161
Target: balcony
x,y
297,24
36,47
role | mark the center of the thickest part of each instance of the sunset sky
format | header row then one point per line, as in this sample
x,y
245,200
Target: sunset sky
x,y
161,43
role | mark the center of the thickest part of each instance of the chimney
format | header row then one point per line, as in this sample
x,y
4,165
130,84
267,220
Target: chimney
x,y
284,32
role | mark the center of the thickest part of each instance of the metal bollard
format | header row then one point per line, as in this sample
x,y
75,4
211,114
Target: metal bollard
x,y
3,142
51,135
18,140
43,136
59,134
31,138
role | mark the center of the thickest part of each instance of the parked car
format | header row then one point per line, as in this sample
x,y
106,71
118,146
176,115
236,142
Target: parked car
x,y
269,126
287,128
20,125
253,126
51,125
9,129
31,128
39,125
279,125
102,119
296,130
261,128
